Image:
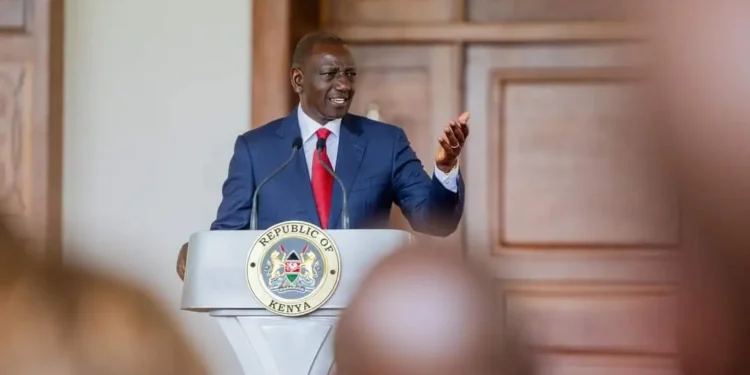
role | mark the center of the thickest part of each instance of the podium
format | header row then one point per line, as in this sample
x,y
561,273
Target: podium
x,y
281,321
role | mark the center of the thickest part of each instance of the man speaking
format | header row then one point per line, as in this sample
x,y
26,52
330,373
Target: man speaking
x,y
372,160
285,169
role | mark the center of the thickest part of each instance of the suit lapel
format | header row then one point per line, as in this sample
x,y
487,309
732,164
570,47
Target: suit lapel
x,y
297,176
352,146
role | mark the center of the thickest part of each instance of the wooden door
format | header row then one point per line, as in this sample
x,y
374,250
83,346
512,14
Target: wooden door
x,y
562,203
30,118
579,228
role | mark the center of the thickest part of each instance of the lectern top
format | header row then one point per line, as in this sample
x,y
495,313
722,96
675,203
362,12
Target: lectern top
x,y
292,269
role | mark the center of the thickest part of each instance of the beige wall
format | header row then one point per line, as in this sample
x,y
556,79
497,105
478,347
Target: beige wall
x,y
156,91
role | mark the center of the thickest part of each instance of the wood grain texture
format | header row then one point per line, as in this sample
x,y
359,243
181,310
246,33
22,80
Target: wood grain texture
x,y
277,27
546,10
605,364
380,12
464,32
622,319
581,238
31,124
271,56
577,174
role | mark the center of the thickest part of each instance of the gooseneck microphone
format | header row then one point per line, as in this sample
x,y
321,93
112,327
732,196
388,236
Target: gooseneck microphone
x,y
296,145
345,201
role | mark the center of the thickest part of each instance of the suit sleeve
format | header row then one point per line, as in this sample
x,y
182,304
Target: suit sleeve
x,y
429,207
237,191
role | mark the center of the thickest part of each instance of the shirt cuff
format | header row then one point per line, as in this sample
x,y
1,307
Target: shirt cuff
x,y
449,180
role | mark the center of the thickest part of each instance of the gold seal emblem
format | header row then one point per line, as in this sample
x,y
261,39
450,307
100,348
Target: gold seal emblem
x,y
293,268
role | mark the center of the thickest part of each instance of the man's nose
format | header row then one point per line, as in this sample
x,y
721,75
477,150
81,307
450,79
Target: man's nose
x,y
343,83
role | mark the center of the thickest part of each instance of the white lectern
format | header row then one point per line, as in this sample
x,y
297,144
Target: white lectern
x,y
217,281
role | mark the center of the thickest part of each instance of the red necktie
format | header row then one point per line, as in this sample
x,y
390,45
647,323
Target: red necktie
x,y
322,181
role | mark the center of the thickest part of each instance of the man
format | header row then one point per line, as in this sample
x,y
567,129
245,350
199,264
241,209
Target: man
x,y
373,159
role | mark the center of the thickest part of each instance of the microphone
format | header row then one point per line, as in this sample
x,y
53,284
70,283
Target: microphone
x,y
296,145
345,201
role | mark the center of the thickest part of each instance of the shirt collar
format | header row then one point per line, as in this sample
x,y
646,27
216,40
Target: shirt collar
x,y
308,126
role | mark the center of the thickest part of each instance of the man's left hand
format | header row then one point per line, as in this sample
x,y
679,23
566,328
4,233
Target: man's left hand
x,y
182,261
451,143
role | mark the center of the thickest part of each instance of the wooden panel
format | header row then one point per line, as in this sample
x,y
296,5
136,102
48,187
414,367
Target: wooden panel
x,y
577,173
14,125
551,151
30,120
545,10
12,15
413,87
277,27
490,33
590,265
373,12
560,206
605,318
271,60
585,364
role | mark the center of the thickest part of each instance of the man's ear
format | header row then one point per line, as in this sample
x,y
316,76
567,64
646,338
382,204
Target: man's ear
x,y
297,79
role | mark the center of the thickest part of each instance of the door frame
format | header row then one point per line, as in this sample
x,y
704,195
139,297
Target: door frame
x,y
276,26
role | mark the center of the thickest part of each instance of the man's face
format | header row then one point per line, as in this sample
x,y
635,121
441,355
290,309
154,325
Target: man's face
x,y
325,83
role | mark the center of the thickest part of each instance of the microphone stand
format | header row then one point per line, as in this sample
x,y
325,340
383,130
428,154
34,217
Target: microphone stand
x,y
254,210
345,199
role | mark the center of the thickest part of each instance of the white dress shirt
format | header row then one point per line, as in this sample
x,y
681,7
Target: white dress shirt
x,y
308,127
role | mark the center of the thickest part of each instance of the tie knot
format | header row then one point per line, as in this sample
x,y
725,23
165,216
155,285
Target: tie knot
x,y
323,133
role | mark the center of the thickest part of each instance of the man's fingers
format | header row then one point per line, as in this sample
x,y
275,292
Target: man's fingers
x,y
453,141
463,118
456,129
446,146
444,143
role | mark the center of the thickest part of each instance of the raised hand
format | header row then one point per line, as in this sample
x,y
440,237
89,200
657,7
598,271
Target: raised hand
x,y
182,261
452,142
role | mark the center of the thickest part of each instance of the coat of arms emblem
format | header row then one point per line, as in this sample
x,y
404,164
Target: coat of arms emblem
x,y
293,268
286,271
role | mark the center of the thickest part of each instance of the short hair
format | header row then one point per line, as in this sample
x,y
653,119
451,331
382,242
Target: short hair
x,y
309,41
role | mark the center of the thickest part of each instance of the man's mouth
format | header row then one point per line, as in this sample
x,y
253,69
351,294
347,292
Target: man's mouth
x,y
338,102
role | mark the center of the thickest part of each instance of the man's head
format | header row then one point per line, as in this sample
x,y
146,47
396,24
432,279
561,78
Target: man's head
x,y
424,310
702,76
323,74
58,319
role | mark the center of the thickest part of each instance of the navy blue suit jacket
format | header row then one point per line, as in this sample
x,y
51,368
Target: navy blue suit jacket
x,y
374,161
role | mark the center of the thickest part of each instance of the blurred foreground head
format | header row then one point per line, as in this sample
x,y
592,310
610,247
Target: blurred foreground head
x,y
702,78
57,320
425,311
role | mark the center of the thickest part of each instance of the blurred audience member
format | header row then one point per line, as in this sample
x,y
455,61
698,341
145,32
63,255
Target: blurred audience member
x,y
425,311
702,78
59,320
